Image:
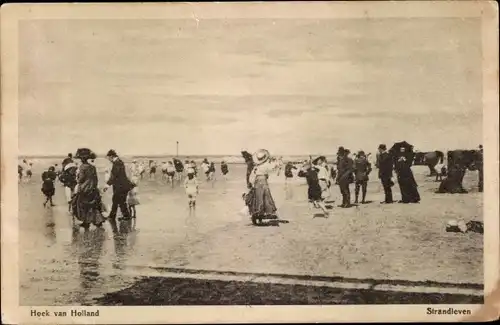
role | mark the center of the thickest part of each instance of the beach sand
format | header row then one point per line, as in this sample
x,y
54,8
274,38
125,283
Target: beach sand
x,y
394,244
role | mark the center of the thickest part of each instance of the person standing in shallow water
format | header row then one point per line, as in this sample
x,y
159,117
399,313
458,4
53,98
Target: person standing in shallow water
x,y
211,171
87,201
121,186
224,169
362,169
152,169
133,198
192,188
406,180
19,173
48,188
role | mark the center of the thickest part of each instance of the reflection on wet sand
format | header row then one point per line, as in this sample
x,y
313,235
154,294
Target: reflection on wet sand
x,y
50,227
124,238
90,251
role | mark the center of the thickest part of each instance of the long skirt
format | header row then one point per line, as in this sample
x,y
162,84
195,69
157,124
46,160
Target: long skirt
x,y
261,201
408,187
87,208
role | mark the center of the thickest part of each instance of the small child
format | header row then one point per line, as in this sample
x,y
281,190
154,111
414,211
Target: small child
x,y
48,188
314,191
170,172
133,199
191,186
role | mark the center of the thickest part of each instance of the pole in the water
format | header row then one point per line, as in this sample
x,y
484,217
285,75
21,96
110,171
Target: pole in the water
x,y
177,150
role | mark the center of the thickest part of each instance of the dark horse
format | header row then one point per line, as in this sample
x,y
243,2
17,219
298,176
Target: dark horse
x,y
458,163
429,159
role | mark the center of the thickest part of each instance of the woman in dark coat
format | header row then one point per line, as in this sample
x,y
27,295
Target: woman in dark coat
x,y
224,169
48,188
250,165
406,180
87,204
289,167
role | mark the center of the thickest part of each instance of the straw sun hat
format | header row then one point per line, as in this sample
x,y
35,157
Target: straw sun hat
x,y
261,156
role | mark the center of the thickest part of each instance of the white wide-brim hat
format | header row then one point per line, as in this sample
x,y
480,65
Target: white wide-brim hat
x,y
261,156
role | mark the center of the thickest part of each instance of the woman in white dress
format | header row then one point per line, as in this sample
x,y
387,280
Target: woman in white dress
x,y
323,176
191,187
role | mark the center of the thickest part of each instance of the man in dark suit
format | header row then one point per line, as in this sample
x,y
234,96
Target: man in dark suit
x,y
345,167
385,166
121,186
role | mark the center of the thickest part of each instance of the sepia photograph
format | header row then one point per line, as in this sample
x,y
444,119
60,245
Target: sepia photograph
x,y
225,155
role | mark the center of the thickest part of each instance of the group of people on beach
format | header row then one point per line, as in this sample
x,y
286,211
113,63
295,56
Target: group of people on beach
x,y
320,177
24,170
79,178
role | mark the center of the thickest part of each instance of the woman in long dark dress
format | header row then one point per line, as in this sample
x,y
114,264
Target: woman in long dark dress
x,y
250,165
87,206
406,180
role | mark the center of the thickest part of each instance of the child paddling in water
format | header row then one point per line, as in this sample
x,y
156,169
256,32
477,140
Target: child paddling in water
x,y
191,186
133,199
48,189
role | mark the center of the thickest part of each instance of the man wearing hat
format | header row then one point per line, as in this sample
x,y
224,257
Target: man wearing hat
x,y
345,167
362,169
121,185
385,166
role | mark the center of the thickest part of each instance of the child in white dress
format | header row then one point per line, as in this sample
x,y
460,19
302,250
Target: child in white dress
x,y
133,198
191,186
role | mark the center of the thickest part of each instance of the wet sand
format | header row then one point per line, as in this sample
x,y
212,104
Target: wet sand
x,y
397,242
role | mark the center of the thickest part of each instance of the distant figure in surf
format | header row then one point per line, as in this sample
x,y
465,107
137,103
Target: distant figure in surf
x,y
20,172
289,167
224,169
279,166
171,173
205,166
211,172
152,169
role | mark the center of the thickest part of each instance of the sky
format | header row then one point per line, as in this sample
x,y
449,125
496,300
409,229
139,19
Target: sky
x,y
220,86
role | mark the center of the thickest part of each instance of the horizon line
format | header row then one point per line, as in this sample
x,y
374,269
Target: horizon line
x,y
164,155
